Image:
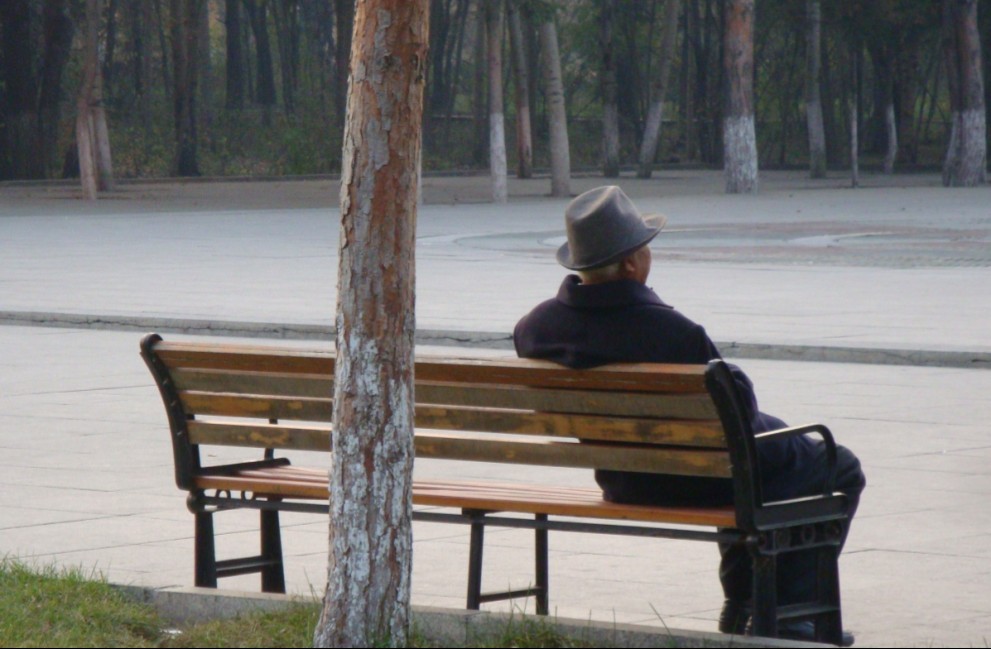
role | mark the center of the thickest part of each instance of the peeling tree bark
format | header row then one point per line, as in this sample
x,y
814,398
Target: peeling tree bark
x,y
966,152
367,601
739,137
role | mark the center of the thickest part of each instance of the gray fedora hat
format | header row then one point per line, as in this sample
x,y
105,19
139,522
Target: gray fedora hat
x,y
604,226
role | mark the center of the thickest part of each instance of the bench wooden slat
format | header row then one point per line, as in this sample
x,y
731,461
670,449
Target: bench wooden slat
x,y
261,407
708,433
490,496
644,459
635,377
690,406
279,384
259,435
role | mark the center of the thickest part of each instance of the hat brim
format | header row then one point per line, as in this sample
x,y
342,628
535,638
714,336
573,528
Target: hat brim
x,y
654,222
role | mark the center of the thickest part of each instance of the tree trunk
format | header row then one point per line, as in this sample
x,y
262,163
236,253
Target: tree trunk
x,y
610,109
497,119
521,76
652,131
368,592
739,138
85,127
235,55
185,14
557,115
813,100
966,152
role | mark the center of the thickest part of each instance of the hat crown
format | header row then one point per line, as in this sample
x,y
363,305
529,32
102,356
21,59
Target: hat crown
x,y
603,226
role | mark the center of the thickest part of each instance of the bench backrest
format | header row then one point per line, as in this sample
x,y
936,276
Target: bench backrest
x,y
649,418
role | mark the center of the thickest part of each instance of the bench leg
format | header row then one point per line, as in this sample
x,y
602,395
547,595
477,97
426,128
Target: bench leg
x,y
273,576
765,594
205,558
541,568
475,566
829,625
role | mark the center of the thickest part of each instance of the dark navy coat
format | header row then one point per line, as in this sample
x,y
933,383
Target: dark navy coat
x,y
623,321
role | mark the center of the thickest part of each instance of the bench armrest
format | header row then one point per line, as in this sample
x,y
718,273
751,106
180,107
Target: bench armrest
x,y
827,438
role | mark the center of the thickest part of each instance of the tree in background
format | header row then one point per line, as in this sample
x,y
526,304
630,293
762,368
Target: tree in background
x,y
550,62
813,99
609,91
92,136
497,118
521,78
367,601
185,56
739,137
658,90
966,151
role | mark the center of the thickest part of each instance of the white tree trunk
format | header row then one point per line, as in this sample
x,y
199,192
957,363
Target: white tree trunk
x,y
497,121
740,150
966,152
554,89
370,548
739,137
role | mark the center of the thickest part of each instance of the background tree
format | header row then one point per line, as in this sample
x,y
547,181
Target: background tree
x,y
658,90
368,591
557,114
813,99
521,80
497,118
92,136
185,55
739,137
610,92
966,151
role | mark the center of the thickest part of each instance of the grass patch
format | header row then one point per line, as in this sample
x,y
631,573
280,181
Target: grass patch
x,y
59,607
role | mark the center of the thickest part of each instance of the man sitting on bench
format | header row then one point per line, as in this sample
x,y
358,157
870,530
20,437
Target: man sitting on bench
x,y
607,314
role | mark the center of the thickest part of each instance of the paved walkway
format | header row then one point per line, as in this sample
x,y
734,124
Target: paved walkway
x,y
900,264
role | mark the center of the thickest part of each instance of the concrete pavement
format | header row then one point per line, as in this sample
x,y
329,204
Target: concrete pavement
x,y
901,265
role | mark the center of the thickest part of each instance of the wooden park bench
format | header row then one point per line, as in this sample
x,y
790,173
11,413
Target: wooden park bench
x,y
665,419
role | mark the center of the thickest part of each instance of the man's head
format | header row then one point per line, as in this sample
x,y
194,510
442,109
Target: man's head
x,y
608,237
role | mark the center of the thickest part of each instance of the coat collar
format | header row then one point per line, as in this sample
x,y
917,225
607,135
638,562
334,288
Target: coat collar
x,y
624,292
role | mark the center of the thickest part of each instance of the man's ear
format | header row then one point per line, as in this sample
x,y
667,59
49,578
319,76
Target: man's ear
x,y
628,268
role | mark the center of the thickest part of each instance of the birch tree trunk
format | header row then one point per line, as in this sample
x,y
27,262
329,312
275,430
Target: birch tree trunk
x,y
367,601
554,91
739,137
610,109
966,152
521,73
655,115
497,118
813,100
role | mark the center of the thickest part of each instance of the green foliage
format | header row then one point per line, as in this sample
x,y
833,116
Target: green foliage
x,y
51,607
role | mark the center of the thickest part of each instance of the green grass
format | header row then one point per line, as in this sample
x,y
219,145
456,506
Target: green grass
x,y
56,607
